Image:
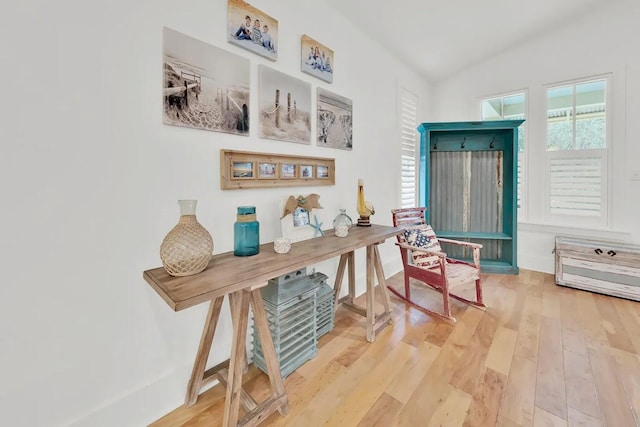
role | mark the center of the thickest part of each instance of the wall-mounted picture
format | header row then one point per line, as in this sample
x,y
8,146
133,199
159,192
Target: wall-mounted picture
x,y
335,117
288,170
322,172
316,59
285,106
267,170
252,29
242,170
306,171
204,87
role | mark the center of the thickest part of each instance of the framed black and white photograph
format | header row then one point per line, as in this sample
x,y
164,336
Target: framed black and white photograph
x,y
204,87
252,29
285,106
335,118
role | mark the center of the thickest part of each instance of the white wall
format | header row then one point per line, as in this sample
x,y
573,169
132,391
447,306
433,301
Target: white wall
x,y
600,41
90,178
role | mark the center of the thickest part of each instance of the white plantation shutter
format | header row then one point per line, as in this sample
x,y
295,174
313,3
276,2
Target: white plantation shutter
x,y
522,173
408,109
577,184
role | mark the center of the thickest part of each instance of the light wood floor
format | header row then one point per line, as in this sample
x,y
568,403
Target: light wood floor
x,y
540,355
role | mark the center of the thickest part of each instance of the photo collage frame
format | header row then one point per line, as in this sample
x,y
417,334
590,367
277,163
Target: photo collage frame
x,y
243,169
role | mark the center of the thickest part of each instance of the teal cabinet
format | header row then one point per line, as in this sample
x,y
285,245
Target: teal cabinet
x,y
468,182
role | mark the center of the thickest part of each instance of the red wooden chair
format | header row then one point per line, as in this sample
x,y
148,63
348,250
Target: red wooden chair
x,y
424,260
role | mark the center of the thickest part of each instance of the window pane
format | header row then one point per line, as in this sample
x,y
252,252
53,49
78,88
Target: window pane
x,y
492,109
514,110
514,107
590,115
560,118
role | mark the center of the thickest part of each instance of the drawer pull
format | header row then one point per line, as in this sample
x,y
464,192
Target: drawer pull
x,y
598,251
612,252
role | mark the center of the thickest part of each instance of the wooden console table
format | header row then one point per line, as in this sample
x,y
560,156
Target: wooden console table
x,y
241,279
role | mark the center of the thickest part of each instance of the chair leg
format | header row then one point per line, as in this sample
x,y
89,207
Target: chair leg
x,y
445,301
479,292
407,289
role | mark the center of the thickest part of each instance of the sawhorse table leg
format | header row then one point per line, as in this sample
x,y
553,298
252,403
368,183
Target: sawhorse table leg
x,y
374,266
229,373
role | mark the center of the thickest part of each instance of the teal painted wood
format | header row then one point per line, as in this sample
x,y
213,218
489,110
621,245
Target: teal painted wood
x,y
474,235
497,135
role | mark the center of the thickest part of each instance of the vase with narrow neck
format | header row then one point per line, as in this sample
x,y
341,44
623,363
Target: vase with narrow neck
x,y
342,224
188,247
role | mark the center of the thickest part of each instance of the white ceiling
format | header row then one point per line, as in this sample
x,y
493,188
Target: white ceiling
x,y
440,38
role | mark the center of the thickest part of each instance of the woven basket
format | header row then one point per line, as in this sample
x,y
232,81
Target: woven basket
x,y
188,247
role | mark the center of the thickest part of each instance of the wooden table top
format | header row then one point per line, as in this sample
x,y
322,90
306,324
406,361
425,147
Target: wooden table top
x,y
227,273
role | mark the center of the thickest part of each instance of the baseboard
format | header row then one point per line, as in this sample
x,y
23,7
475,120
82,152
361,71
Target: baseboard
x,y
143,405
543,264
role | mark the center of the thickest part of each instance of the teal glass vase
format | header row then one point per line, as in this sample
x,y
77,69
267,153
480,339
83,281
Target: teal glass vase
x,y
246,232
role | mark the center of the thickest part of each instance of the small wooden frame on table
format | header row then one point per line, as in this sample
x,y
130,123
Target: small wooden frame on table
x,y
243,169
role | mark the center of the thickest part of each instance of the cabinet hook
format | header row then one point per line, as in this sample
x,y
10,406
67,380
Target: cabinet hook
x,y
462,144
435,144
493,139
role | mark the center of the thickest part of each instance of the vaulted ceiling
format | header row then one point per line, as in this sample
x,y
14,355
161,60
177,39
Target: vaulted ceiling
x,y
439,38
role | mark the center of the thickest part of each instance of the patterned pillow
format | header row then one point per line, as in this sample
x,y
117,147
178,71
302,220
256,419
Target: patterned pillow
x,y
423,238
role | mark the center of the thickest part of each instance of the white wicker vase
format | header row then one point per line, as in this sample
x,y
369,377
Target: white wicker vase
x,y
188,247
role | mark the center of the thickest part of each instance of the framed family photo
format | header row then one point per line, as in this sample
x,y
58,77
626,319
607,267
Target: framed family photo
x,y
252,29
267,170
316,59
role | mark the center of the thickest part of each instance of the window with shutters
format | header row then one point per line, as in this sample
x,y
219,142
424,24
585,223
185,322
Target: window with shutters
x,y
576,154
408,138
512,107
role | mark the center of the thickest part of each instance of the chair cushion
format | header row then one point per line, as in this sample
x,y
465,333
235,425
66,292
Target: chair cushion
x,y
423,237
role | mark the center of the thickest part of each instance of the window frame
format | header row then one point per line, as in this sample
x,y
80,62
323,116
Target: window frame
x,y
601,221
523,157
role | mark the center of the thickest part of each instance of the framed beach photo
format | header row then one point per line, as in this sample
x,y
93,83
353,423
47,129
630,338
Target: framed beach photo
x,y
288,170
285,106
204,87
252,29
335,121
322,172
267,170
316,59
242,170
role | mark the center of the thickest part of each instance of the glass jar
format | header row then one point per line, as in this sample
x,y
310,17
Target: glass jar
x,y
246,232
342,224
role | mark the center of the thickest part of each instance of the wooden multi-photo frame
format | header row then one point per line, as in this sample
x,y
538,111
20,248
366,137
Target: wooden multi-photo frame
x,y
243,169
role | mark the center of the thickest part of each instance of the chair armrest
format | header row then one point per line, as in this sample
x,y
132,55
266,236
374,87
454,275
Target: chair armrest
x,y
427,251
461,243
